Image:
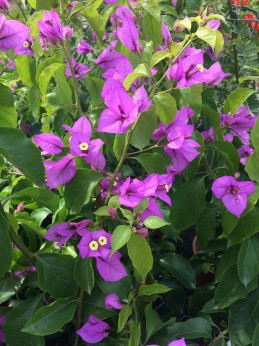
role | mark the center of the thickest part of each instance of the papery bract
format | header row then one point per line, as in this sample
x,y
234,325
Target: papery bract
x,y
112,302
51,144
94,330
233,193
217,73
140,99
111,269
151,210
25,48
84,48
50,26
244,151
80,69
61,233
132,193
128,35
95,244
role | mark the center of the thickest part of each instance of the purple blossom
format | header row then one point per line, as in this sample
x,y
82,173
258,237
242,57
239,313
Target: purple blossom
x,y
108,59
67,32
121,111
82,125
60,172
208,135
111,269
128,35
20,207
166,34
2,334
71,5
213,24
51,144
233,193
151,210
10,63
217,74
25,48
164,183
94,330
132,193
12,33
80,69
25,272
50,26
180,342
140,99
212,53
244,151
112,302
4,5
116,189
95,244
84,48
61,233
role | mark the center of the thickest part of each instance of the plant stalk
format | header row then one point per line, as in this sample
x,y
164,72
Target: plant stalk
x,y
79,314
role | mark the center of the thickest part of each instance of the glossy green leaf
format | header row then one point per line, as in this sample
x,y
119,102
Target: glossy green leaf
x,y
153,322
55,273
5,246
9,286
120,237
49,319
236,99
134,333
78,191
140,254
255,136
152,162
248,259
229,257
84,273
180,268
188,202
231,289
166,107
46,75
147,290
154,222
17,318
256,336
152,29
8,115
95,20
144,129
185,23
208,35
95,87
23,154
205,226
247,225
119,144
34,101
45,197
159,56
140,71
191,96
152,7
228,152
252,166
124,316
26,67
244,318
193,328
219,42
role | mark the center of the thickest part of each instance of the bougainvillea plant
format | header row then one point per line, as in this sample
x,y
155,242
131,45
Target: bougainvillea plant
x,y
129,160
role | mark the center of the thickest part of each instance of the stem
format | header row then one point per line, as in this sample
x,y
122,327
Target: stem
x,y
208,169
21,246
124,156
232,15
79,313
67,50
220,336
142,151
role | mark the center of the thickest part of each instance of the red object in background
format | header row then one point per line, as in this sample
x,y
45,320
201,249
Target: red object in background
x,y
236,2
245,2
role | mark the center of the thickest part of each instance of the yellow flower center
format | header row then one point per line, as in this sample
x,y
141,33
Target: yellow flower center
x,y
114,184
200,67
83,146
166,187
26,44
93,245
102,241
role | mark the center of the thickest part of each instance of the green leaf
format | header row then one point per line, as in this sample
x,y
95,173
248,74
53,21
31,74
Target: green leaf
x,y
127,214
166,107
231,289
152,7
213,116
5,246
158,56
152,29
228,152
185,23
124,316
144,129
46,75
152,162
229,257
120,237
84,274
8,115
16,320
244,319
252,166
248,259
208,35
26,67
219,42
134,334
34,101
205,226
192,97
247,225
22,153
49,319
236,99
9,286
180,268
255,136
154,222
95,20
153,323
78,191
55,273
119,144
188,202
45,197
140,254
103,211
255,336
140,71
147,290
95,87
193,328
